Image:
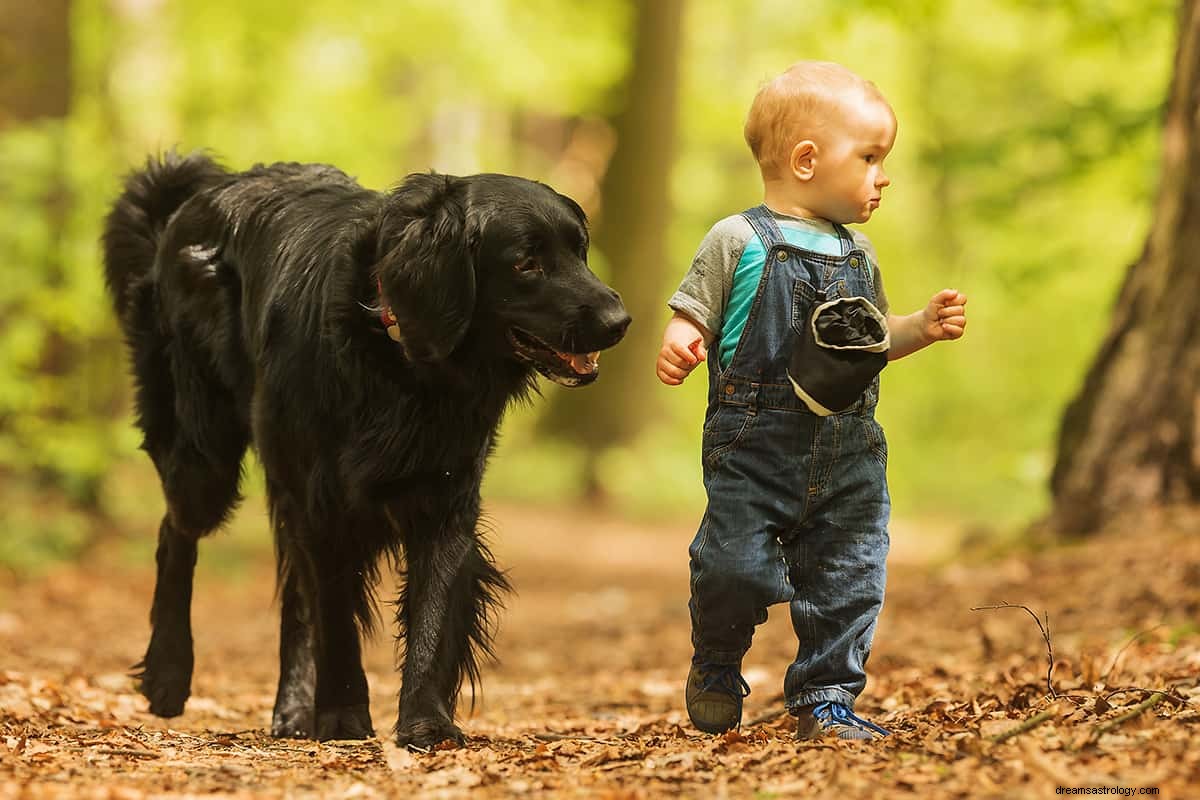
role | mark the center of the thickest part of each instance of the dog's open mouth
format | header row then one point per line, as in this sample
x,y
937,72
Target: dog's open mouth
x,y
569,369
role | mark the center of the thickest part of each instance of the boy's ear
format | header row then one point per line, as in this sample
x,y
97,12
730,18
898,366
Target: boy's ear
x,y
803,159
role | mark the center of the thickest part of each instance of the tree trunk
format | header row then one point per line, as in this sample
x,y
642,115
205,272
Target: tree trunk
x,y
1130,441
632,235
35,91
35,57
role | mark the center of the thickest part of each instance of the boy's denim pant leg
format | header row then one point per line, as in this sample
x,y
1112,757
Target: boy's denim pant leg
x,y
798,511
839,569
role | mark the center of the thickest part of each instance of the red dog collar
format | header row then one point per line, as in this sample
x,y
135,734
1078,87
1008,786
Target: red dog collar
x,y
387,317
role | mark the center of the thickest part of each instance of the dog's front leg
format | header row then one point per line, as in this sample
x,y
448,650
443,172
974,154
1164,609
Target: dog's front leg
x,y
443,611
343,703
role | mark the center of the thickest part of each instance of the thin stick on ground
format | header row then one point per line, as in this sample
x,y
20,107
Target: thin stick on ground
x,y
1027,725
1045,629
117,751
1140,708
566,737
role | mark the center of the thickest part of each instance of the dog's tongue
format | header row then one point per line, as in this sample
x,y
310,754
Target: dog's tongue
x,y
582,363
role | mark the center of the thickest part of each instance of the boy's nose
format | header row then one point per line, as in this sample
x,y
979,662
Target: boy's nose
x,y
882,179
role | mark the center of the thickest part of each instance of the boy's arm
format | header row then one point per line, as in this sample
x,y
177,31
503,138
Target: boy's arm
x,y
943,319
699,304
685,345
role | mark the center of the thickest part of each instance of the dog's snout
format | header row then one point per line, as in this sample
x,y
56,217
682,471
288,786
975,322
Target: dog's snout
x,y
614,317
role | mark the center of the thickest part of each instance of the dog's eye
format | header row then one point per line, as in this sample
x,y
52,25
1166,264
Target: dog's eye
x,y
529,265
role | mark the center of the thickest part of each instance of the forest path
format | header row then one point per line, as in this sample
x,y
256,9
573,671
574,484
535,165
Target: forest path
x,y
586,697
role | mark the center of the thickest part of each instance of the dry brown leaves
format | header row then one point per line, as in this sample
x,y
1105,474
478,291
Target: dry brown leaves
x,y
586,699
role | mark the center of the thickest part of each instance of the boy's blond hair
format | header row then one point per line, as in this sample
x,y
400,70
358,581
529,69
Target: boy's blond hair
x,y
794,105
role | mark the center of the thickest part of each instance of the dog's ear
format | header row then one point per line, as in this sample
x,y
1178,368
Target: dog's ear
x,y
576,209
426,265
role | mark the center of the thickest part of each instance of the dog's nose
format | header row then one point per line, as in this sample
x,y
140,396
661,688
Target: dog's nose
x,y
615,318
619,322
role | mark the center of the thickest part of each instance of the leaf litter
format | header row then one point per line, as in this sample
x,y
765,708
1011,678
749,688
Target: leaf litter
x,y
589,703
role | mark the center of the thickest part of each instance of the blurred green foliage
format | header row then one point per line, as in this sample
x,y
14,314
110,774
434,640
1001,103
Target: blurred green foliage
x,y
1023,174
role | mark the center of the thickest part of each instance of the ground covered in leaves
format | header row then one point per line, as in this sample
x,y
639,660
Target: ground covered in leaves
x,y
586,698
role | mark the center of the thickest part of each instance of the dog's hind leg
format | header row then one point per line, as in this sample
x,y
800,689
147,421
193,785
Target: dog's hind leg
x,y
165,673
196,505
445,611
166,670
196,442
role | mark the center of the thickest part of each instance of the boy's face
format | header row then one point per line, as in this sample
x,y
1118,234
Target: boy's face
x,y
848,173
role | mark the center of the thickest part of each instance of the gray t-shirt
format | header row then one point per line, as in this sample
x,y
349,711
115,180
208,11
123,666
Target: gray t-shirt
x,y
718,291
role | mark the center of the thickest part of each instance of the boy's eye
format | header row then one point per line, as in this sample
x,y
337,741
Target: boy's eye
x,y
871,159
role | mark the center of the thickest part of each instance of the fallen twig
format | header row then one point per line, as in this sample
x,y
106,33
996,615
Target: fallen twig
x,y
1141,707
1171,694
1027,725
1045,629
118,751
567,737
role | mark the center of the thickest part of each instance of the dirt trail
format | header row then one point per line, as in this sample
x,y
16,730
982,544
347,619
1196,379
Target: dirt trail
x,y
586,697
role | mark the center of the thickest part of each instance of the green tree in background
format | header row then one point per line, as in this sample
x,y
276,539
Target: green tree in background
x,y
631,237
1130,440
57,390
35,46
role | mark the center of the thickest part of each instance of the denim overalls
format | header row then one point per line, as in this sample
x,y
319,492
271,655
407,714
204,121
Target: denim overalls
x,y
797,504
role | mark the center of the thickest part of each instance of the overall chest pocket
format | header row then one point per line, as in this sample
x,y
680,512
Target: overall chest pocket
x,y
805,299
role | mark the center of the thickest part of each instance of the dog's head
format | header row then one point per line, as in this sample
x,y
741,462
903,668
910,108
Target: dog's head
x,y
501,257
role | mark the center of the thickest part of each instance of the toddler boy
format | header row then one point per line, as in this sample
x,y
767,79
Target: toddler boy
x,y
797,502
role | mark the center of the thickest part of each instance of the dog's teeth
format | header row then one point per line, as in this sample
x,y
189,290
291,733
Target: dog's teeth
x,y
583,364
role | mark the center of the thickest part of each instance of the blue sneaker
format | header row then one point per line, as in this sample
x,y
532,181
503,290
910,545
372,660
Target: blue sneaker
x,y
825,719
714,696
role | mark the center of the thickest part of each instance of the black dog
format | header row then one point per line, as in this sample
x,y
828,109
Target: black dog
x,y
367,344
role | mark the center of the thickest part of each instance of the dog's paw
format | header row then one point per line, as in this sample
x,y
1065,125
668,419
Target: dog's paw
x,y
294,722
426,733
166,685
344,722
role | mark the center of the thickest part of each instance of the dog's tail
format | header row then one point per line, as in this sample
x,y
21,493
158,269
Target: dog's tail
x,y
138,217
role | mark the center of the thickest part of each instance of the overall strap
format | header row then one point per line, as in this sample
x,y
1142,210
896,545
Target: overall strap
x,y
845,236
763,222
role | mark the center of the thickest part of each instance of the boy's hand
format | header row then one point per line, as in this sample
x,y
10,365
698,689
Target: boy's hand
x,y
945,317
682,351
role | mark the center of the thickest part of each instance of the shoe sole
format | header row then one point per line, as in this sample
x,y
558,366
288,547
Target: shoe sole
x,y
715,722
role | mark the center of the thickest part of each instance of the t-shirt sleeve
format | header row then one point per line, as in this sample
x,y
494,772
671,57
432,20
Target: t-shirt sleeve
x,y
704,291
864,243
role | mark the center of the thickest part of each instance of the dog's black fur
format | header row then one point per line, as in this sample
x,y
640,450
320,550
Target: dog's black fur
x,y
254,305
